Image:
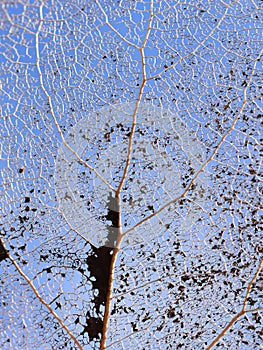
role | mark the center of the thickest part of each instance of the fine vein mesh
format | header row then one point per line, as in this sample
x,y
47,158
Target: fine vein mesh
x,y
191,276
164,153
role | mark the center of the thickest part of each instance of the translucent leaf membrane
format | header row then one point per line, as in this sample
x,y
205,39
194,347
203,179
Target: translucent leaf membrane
x,y
138,120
